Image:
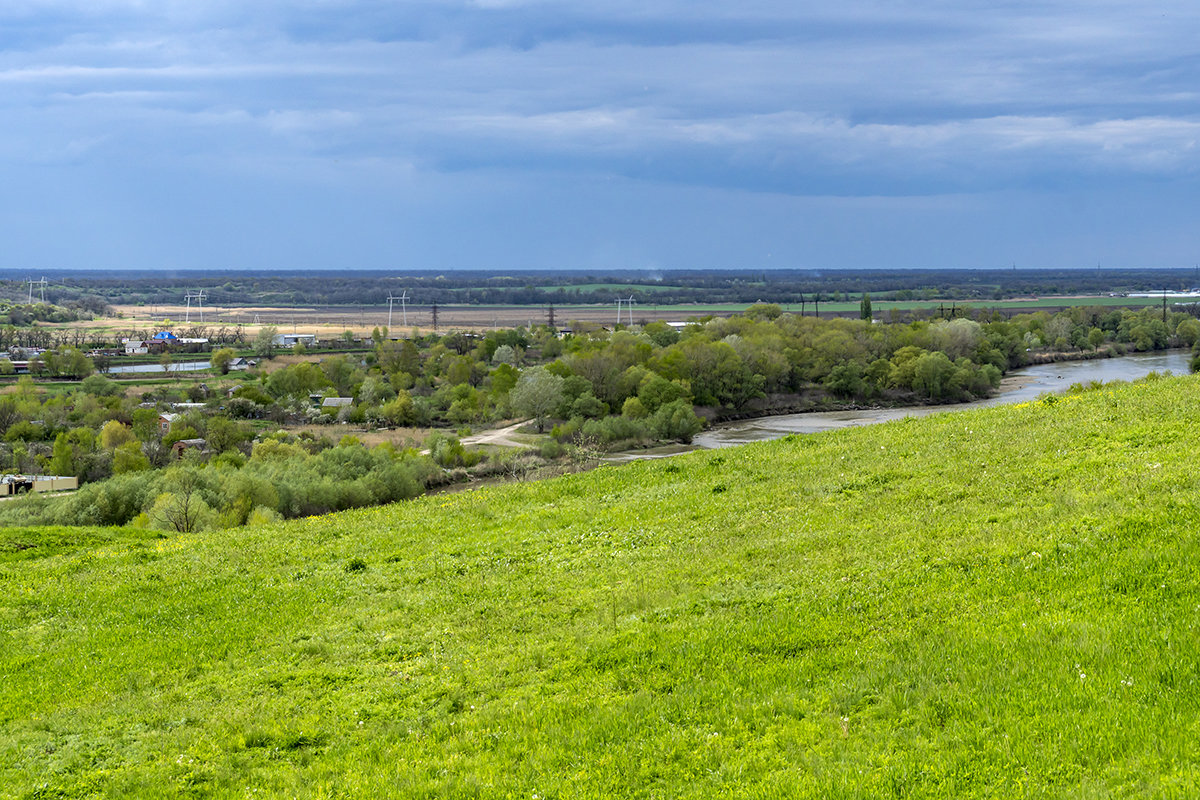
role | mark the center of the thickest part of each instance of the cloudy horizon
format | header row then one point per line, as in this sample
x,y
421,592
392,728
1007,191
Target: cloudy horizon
x,y
584,135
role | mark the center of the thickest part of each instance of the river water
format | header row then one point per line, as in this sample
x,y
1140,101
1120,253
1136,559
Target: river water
x,y
176,366
1018,386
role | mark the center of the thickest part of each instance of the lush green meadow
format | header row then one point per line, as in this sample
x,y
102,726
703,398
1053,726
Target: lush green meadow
x,y
998,603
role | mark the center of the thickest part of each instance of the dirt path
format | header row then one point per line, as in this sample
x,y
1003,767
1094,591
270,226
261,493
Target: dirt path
x,y
499,436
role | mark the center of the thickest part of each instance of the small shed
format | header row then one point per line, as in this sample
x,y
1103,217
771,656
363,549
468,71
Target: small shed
x,y
165,419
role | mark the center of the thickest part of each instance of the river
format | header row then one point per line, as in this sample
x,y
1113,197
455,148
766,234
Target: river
x,y
1019,385
176,366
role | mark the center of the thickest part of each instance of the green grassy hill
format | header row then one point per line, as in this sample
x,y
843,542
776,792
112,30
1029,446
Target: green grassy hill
x,y
1000,603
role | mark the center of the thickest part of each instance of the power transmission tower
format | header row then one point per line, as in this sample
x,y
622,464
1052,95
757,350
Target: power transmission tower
x,y
403,298
629,308
41,284
199,298
619,301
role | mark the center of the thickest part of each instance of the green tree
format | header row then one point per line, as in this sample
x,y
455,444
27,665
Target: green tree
x,y
100,386
505,354
536,394
10,413
129,457
633,408
264,341
846,380
375,391
221,359
764,311
399,411
658,391
504,378
342,374
864,307
181,507
114,434
68,362
223,434
62,460
145,424
297,380
677,421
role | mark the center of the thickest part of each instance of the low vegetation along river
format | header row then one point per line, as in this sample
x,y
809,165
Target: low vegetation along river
x,y
1017,387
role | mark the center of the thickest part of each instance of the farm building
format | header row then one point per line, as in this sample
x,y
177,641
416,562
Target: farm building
x,y
293,339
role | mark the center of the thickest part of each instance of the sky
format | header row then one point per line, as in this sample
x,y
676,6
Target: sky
x,y
598,134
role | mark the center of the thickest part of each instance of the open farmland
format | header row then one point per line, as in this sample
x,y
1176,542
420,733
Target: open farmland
x,y
332,321
978,604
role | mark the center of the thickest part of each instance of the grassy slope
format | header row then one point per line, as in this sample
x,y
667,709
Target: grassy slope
x,y
995,603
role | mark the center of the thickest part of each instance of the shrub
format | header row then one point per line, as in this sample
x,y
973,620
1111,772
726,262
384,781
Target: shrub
x,y
100,386
676,421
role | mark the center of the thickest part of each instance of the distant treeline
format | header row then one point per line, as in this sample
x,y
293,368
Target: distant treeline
x,y
92,291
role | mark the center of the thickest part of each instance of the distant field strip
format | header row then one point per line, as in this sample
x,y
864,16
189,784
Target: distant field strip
x,y
360,320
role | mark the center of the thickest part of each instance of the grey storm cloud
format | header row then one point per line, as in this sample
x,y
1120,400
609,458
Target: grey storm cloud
x,y
855,99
